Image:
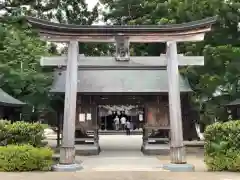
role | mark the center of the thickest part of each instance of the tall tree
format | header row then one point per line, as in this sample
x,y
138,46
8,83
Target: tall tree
x,y
21,73
77,12
220,47
20,49
20,52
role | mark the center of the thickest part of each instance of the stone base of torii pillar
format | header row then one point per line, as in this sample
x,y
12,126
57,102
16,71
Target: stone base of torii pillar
x,y
67,167
179,167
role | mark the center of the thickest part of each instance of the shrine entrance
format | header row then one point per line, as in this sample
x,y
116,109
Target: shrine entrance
x,y
115,110
130,67
112,118
148,116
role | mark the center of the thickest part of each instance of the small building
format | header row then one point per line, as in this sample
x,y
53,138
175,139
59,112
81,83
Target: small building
x,y
234,107
9,106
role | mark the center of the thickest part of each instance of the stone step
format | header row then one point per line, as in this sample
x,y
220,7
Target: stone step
x,y
124,168
110,132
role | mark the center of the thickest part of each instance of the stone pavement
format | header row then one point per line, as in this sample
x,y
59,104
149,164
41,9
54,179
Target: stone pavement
x,y
120,176
122,153
121,159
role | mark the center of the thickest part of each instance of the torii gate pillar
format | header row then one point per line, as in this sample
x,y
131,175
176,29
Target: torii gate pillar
x,y
68,141
176,144
67,151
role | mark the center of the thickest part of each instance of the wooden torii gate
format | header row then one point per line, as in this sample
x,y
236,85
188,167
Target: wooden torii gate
x,y
122,36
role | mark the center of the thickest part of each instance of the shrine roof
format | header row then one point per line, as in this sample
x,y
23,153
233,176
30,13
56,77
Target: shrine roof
x,y
75,29
119,81
7,100
234,103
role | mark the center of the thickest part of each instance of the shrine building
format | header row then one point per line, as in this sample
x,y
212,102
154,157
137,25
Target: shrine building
x,y
139,94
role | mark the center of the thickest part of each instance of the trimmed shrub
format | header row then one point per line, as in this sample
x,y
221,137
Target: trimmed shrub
x,y
222,146
3,122
25,158
22,133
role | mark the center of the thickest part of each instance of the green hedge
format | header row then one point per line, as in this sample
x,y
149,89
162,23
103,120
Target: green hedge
x,y
25,158
22,133
222,146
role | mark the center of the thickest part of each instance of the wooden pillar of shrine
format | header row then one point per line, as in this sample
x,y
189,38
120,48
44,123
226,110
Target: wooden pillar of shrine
x,y
67,151
177,152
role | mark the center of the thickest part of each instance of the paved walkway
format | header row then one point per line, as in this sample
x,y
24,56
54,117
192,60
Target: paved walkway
x,y
122,153
120,176
119,154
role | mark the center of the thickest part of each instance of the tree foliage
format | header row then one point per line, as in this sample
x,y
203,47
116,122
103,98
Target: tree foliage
x,y
77,12
20,52
220,75
21,49
21,74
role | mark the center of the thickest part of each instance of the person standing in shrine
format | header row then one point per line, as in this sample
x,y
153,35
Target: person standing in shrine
x,y
128,128
116,122
123,122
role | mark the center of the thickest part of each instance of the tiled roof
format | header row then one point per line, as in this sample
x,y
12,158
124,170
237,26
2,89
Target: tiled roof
x,y
7,100
119,81
71,28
